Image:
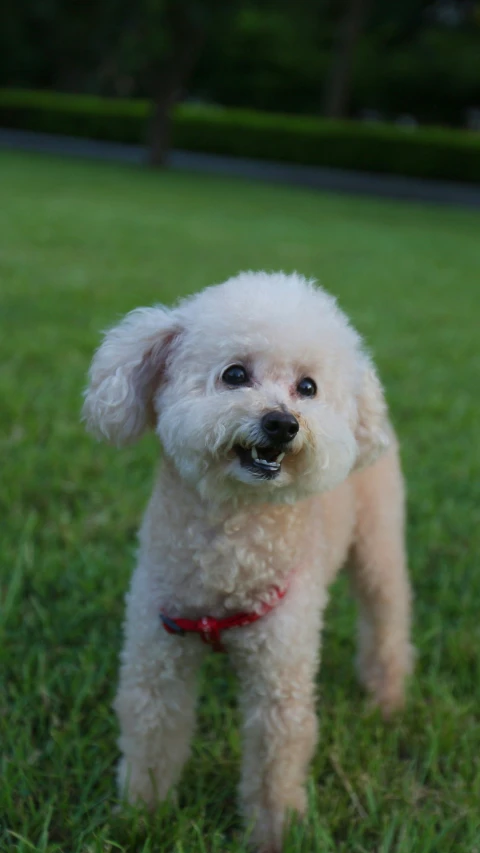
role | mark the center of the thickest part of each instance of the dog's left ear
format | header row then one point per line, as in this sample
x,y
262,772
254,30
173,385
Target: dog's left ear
x,y
372,431
125,371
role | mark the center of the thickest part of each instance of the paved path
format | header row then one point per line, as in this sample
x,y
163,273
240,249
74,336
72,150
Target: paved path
x,y
332,180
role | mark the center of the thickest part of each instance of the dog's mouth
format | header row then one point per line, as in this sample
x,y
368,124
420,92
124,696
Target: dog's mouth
x,y
262,461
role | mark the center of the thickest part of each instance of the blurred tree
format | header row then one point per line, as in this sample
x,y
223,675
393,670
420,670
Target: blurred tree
x,y
172,37
339,78
161,42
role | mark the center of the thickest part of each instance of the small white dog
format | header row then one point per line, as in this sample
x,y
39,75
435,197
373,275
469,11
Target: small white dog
x,y
271,418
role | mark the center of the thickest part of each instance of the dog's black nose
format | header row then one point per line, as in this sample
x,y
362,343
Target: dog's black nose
x,y
280,427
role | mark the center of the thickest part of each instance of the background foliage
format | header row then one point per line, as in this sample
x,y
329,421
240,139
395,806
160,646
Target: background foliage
x,y
419,57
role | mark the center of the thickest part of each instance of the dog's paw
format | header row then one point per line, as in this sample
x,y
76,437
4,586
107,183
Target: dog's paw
x,y
384,678
271,824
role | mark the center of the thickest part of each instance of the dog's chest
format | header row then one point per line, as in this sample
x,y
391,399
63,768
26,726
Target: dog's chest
x,y
228,562
246,550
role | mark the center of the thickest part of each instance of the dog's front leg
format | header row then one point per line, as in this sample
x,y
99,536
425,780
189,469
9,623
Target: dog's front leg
x,y
155,705
277,661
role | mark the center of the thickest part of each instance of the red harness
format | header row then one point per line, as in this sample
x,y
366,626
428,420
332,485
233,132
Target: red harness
x,y
210,629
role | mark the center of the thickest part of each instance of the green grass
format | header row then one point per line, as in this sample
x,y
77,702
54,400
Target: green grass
x,y
82,243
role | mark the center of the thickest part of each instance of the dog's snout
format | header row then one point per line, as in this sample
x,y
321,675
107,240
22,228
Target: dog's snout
x,y
280,427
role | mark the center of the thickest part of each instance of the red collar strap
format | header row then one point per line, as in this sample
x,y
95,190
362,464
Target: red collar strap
x,y
210,629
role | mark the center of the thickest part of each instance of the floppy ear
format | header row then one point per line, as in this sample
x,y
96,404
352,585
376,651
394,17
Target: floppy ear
x,y
372,432
124,373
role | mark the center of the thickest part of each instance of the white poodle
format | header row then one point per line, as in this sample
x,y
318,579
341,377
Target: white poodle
x,y
271,419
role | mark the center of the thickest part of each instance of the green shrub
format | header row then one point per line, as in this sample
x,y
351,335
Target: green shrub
x,y
74,115
424,152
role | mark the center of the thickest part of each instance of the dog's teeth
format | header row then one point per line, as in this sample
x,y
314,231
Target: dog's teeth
x,y
254,453
280,457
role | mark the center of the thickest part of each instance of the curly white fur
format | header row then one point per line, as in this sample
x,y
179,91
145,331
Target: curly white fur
x,y
217,538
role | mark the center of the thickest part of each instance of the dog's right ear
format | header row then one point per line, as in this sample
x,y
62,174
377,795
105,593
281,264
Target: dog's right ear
x,y
125,371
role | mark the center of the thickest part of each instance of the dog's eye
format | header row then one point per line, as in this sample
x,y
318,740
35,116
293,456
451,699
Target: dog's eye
x,y
235,375
306,387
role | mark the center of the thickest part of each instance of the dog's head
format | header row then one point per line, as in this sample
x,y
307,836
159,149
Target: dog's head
x,y
256,387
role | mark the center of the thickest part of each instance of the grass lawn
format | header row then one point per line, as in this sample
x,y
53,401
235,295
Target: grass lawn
x,y
82,243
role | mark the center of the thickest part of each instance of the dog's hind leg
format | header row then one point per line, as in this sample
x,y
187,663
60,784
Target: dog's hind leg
x,y
380,580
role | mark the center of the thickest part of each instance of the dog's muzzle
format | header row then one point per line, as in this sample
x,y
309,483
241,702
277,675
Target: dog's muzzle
x,y
264,459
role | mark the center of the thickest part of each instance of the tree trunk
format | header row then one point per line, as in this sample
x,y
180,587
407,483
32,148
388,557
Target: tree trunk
x,y
339,80
160,131
170,76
